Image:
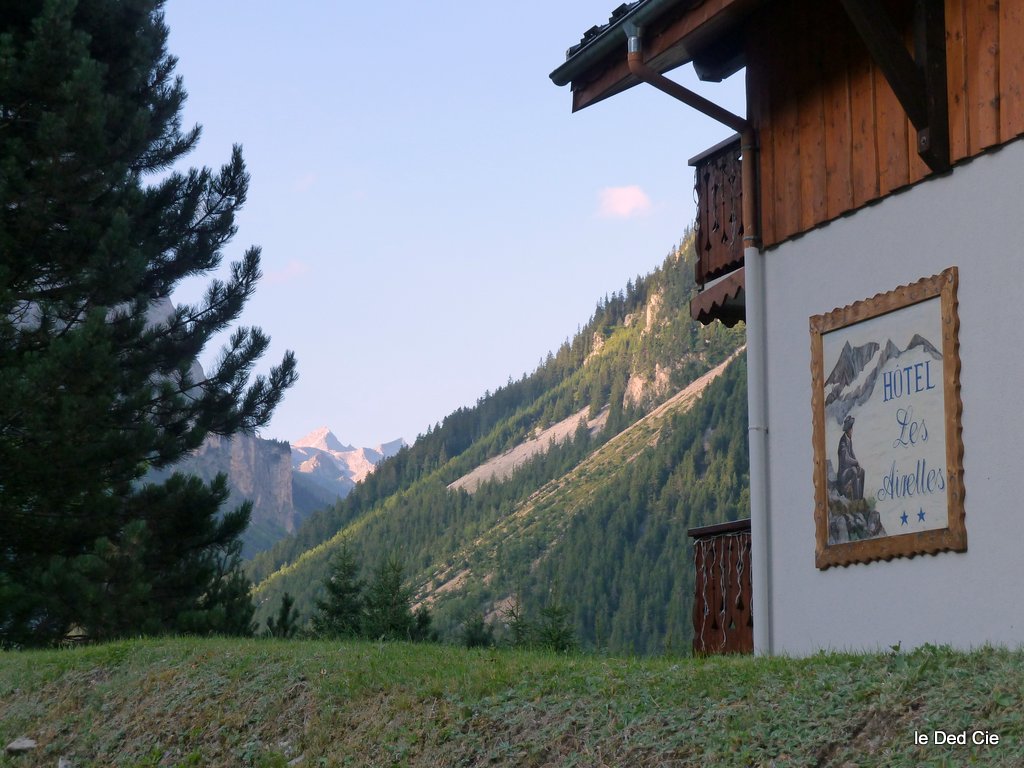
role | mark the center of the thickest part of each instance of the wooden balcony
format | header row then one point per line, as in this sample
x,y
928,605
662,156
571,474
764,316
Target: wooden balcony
x,y
723,621
718,185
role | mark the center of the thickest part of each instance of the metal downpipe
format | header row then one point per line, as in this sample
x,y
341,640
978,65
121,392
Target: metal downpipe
x,y
755,293
755,312
757,435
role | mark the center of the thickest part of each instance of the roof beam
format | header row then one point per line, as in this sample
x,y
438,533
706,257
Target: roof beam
x,y
920,85
930,49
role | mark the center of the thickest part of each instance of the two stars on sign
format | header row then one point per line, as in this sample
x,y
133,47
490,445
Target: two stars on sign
x,y
904,518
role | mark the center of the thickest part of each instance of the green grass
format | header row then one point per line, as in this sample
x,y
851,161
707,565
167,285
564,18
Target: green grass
x,y
187,702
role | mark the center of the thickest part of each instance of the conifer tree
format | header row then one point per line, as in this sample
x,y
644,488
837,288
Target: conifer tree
x,y
476,632
340,613
98,380
388,615
286,624
554,630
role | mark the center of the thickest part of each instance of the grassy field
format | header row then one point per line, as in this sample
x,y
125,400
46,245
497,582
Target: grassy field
x,y
191,702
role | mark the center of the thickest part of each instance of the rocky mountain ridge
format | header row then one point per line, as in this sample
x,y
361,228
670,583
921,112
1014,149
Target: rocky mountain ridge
x,y
284,482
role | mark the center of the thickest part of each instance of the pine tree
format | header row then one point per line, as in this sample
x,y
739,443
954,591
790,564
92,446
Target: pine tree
x,y
476,632
423,626
554,630
286,624
388,615
340,613
98,380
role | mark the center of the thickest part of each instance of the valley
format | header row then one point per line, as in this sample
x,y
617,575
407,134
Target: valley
x,y
573,486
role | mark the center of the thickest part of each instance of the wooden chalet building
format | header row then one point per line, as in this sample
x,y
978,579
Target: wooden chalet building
x,y
861,223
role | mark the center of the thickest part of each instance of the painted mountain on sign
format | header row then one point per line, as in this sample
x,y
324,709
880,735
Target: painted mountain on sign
x,y
852,380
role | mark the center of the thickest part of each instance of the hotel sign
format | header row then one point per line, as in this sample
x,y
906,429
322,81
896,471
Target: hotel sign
x,y
888,457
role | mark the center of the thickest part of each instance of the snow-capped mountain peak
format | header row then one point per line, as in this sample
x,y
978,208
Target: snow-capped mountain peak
x,y
323,439
335,467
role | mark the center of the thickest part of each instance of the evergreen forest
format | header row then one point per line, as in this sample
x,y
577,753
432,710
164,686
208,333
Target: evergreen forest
x,y
595,525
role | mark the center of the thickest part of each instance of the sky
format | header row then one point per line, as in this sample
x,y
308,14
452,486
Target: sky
x,y
433,218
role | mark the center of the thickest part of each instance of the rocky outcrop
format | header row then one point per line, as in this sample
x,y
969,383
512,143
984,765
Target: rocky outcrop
x,y
284,483
654,304
502,467
259,471
644,390
597,344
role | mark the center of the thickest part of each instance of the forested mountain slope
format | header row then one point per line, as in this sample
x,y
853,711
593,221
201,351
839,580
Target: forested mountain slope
x,y
597,522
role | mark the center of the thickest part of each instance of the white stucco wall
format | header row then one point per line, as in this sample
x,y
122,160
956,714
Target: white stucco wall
x,y
969,219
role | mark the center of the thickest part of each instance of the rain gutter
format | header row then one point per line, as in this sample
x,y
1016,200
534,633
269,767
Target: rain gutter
x,y
607,43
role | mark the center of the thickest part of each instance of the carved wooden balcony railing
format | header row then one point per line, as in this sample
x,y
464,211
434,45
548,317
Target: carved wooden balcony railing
x,y
723,621
718,185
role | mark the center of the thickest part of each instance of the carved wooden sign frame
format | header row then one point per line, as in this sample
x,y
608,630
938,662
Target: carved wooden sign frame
x,y
888,452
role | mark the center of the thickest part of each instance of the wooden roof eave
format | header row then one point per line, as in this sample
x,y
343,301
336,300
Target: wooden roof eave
x,y
666,47
616,77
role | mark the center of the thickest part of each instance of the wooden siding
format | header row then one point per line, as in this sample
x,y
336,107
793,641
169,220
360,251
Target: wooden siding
x,y
834,137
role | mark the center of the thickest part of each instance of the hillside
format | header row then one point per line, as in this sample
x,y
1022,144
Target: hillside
x,y
576,549
502,467
494,505
270,703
